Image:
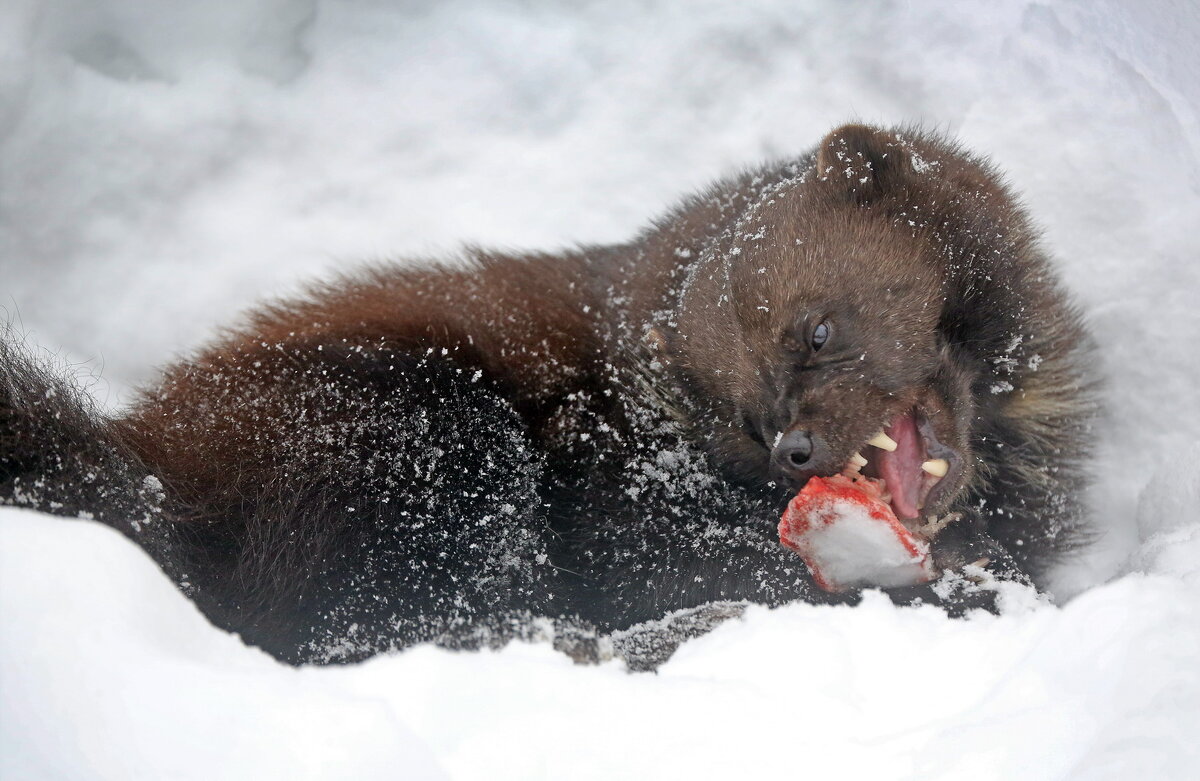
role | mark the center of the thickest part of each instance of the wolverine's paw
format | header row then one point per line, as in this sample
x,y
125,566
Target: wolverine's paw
x,y
977,573
647,645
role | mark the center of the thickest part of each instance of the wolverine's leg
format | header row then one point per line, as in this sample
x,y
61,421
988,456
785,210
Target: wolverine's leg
x,y
337,499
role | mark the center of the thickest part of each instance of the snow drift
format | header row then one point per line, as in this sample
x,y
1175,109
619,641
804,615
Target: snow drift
x,y
109,672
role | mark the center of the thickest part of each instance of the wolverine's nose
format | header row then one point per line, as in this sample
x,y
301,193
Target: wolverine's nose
x,y
794,449
799,455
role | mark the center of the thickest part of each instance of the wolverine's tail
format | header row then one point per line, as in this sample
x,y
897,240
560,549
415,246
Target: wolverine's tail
x,y
58,452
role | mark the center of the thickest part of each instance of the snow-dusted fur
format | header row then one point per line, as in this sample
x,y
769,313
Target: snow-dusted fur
x,y
450,453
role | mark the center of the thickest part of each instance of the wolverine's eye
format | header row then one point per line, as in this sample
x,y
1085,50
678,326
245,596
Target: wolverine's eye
x,y
820,335
751,430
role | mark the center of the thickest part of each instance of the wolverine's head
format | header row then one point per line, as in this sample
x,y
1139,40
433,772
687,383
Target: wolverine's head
x,y
823,328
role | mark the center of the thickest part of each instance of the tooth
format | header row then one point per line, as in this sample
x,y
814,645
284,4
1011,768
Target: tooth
x,y
938,467
858,461
883,442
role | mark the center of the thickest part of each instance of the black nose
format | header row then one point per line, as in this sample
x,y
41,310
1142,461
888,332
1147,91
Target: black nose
x,y
794,450
798,455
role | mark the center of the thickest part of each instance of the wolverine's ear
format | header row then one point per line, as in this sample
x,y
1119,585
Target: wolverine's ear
x,y
862,162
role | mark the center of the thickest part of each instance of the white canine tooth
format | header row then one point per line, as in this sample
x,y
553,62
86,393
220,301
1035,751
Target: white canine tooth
x,y
938,467
883,442
858,461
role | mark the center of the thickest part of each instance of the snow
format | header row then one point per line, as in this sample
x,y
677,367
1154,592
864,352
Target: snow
x,y
110,673
163,165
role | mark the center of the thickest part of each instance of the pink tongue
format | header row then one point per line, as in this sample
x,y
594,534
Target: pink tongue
x,y
901,468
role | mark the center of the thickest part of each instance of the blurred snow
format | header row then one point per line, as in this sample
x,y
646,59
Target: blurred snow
x,y
165,164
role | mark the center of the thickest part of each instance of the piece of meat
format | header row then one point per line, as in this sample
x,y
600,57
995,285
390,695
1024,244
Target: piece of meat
x,y
848,536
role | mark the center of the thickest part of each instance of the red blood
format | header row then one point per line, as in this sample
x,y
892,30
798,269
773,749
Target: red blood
x,y
821,503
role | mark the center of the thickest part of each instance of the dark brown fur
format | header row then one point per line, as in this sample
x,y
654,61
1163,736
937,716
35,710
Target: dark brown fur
x,y
425,452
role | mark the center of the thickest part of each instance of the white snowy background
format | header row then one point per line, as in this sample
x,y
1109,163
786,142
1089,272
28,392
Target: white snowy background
x,y
166,163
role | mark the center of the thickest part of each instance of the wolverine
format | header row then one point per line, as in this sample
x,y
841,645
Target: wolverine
x,y
453,451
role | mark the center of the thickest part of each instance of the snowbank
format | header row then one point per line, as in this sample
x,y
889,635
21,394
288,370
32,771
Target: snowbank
x,y
110,673
162,165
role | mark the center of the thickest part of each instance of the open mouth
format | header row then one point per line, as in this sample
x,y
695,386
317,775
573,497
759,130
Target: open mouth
x,y
908,458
